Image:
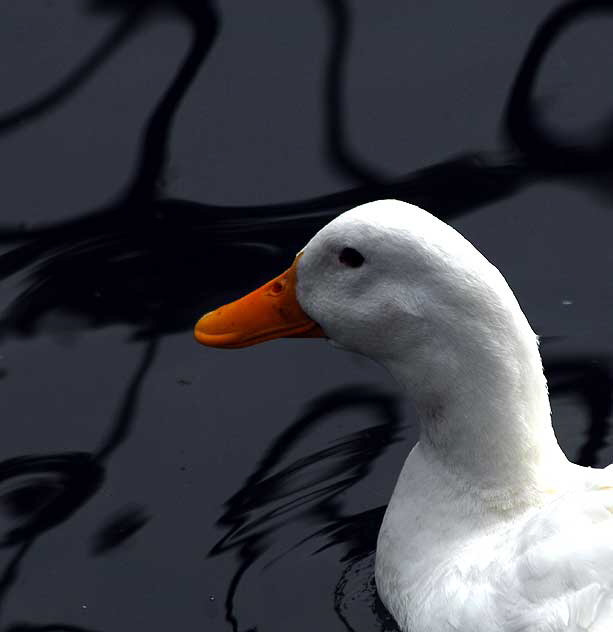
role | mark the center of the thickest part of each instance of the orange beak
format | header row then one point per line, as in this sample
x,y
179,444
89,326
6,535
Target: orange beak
x,y
272,311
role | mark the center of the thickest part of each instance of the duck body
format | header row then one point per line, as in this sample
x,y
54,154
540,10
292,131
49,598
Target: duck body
x,y
446,561
489,528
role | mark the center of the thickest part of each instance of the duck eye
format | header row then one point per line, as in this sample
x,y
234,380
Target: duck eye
x,y
351,257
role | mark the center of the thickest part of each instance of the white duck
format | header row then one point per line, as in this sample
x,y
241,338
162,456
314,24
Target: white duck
x,y
489,528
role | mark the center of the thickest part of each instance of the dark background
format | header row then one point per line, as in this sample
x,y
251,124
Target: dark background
x,y
159,158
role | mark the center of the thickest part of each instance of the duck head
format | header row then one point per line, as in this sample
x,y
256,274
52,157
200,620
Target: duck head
x,y
386,279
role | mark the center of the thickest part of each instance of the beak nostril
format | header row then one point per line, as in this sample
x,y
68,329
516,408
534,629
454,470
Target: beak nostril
x,y
277,287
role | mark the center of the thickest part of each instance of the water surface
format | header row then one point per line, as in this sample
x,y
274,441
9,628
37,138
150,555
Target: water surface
x,y
160,158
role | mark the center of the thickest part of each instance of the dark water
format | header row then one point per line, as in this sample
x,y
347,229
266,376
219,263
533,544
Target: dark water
x,y
159,158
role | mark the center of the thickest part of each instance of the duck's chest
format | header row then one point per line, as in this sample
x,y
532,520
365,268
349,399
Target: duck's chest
x,y
434,561
435,581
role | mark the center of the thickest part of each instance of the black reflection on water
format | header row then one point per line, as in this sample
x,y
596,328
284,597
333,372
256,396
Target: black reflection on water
x,y
590,381
524,121
43,491
121,264
114,264
51,627
123,525
309,487
339,151
47,490
121,428
355,598
138,261
20,116
64,482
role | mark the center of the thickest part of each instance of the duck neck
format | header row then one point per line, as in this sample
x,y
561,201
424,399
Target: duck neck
x,y
485,414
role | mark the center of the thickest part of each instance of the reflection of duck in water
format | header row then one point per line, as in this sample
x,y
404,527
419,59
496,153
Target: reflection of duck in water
x,y
489,527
